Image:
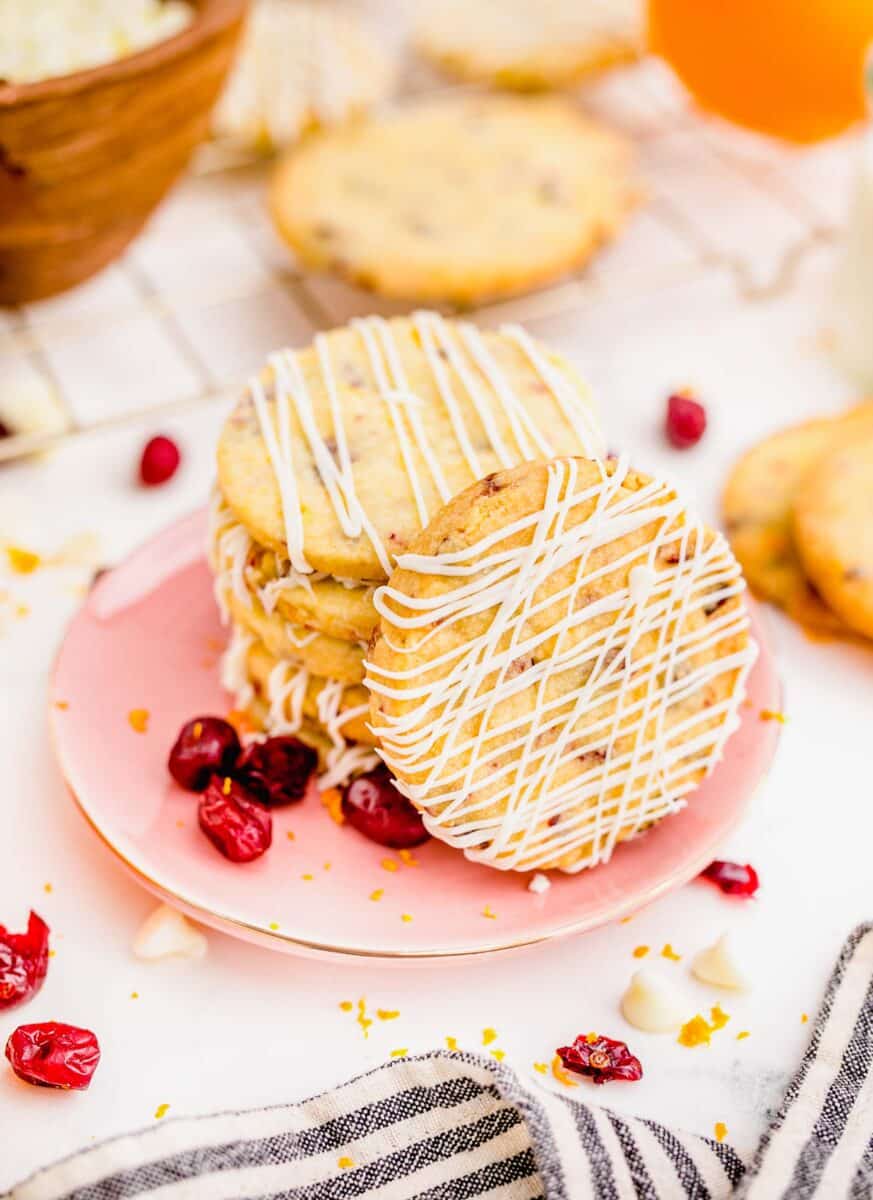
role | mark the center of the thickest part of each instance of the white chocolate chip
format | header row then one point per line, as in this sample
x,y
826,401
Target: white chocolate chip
x,y
653,1003
168,933
719,965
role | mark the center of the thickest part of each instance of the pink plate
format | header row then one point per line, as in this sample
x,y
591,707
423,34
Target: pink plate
x,y
149,637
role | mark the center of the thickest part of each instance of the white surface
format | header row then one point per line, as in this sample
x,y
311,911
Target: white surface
x,y
198,301
247,1027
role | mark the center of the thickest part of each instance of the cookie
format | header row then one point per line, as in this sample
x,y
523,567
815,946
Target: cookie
x,y
283,698
318,654
758,501
833,530
338,454
458,199
560,659
302,65
516,44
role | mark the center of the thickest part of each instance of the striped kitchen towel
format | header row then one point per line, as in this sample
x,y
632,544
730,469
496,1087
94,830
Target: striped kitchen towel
x,y
456,1126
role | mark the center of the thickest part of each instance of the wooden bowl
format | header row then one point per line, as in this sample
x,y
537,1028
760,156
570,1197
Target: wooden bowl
x,y
85,158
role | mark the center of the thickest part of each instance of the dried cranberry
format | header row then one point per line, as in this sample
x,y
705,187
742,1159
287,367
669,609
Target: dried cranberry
x,y
277,771
160,461
601,1058
53,1055
373,805
233,820
686,421
734,879
205,746
24,961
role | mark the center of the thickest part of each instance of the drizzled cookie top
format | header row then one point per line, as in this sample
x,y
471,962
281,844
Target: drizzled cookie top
x,y
339,454
561,657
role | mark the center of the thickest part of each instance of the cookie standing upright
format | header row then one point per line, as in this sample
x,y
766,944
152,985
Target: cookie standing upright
x,y
457,199
561,656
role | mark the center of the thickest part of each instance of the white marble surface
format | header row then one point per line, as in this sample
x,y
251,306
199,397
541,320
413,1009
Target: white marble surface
x,y
250,1027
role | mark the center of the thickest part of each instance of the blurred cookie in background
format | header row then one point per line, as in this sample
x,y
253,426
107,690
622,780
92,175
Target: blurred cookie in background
x,y
460,199
303,65
526,46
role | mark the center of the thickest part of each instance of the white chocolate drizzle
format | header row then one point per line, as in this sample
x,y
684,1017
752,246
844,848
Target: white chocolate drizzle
x,y
503,787
462,347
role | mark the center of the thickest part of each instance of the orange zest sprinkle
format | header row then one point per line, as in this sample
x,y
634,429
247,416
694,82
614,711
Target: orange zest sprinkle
x,y
406,918
498,1054
225,787
63,705
488,1036
22,611
541,1068
180,824
346,1005
641,951
590,1038
134,995
198,728
407,857
274,925
452,1043
21,561
161,1111
363,1020
696,1032
290,835
326,867
626,920
344,1163
720,1131
560,1074
767,714
388,864
387,1014
378,894
486,912
332,800
401,1053
307,877
46,887
241,721
669,952
718,1017
138,719
742,1035
804,1017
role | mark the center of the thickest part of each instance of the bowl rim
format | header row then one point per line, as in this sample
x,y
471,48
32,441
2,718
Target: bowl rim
x,y
211,17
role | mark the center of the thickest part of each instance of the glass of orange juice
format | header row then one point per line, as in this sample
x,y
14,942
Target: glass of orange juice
x,y
791,68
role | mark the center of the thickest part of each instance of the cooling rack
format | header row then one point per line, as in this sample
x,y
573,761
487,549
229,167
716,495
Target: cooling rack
x,y
208,290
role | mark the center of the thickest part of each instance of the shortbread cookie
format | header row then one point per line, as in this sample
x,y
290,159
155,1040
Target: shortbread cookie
x,y
303,64
561,657
338,454
318,654
519,44
833,530
292,693
458,199
283,698
758,501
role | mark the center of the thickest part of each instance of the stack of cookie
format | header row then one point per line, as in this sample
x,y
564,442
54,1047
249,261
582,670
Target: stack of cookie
x,y
799,513
332,462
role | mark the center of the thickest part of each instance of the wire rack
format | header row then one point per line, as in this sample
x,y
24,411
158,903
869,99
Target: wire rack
x,y
208,290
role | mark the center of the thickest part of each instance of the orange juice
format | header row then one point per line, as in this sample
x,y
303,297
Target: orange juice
x,y
792,68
